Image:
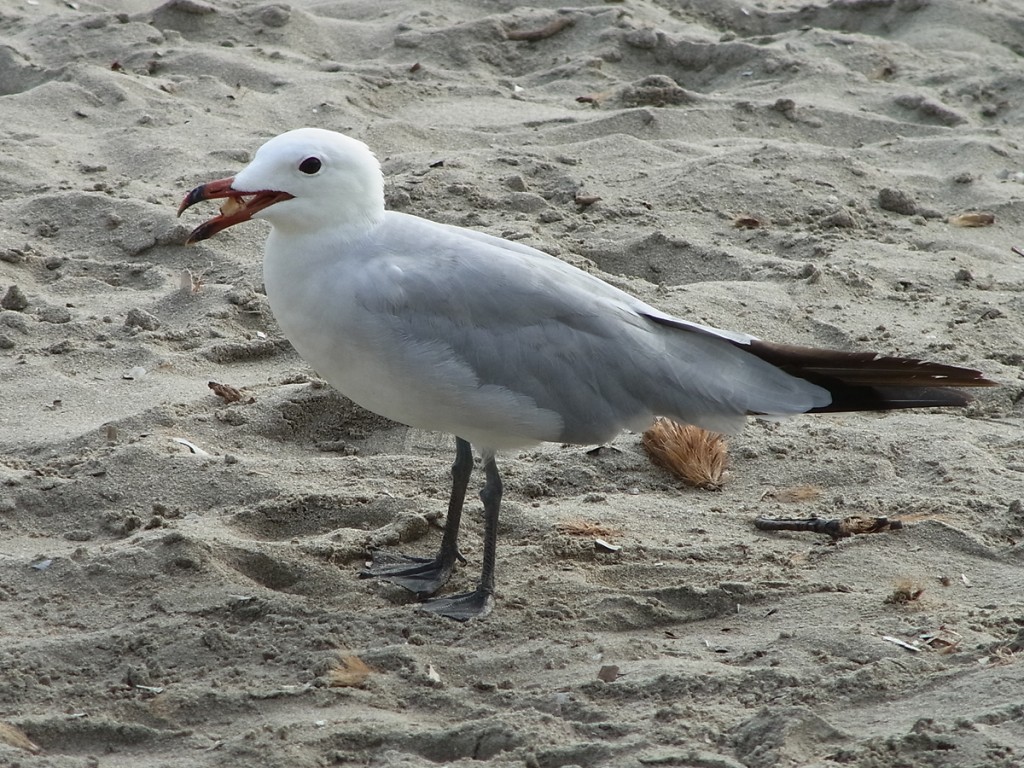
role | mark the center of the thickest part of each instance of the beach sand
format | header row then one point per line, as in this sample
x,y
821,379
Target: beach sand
x,y
178,574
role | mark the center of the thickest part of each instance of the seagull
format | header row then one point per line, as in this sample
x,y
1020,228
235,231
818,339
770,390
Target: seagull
x,y
503,346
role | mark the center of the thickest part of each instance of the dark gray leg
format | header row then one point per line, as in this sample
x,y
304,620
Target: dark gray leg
x,y
426,575
480,601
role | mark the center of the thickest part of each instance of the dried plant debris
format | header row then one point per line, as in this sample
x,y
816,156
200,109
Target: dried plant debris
x,y
699,457
837,528
348,671
15,737
577,526
1006,652
228,393
905,591
1001,657
943,640
973,219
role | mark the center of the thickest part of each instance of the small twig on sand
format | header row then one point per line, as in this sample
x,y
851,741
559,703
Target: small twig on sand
x,y
553,27
837,528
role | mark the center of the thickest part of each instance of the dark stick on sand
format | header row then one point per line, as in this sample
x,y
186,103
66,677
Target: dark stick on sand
x,y
837,528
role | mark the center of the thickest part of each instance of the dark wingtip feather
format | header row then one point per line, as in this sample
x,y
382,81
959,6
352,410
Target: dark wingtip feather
x,y
866,398
866,381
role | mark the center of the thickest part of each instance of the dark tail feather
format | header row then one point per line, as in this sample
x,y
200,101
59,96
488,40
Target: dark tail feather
x,y
864,381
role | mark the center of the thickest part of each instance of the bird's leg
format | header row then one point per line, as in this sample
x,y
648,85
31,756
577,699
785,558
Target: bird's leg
x,y
478,603
426,575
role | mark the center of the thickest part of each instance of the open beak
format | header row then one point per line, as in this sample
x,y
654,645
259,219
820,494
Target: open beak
x,y
237,207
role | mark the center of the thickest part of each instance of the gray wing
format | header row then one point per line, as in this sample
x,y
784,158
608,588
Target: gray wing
x,y
496,316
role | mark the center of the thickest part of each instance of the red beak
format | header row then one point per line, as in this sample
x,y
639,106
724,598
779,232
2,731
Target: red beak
x,y
239,206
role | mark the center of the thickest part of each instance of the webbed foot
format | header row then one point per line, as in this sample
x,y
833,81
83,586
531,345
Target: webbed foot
x,y
421,575
462,607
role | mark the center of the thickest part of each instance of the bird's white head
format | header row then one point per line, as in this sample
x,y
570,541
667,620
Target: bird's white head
x,y
307,180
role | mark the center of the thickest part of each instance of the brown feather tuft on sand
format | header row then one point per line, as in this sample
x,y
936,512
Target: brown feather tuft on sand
x,y
348,671
15,737
699,457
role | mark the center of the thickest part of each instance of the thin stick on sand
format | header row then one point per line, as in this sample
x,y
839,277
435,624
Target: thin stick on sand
x,y
837,528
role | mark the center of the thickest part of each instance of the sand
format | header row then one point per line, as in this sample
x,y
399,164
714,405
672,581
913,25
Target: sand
x,y
178,573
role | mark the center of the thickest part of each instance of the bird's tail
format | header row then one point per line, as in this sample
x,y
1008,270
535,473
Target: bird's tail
x,y
866,381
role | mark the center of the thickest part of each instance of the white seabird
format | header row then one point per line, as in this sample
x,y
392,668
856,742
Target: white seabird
x,y
504,346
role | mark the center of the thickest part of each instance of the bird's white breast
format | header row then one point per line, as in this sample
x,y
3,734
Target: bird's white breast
x,y
311,295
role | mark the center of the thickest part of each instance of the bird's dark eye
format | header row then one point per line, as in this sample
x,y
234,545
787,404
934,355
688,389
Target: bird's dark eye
x,y
310,165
